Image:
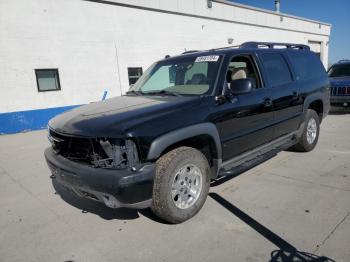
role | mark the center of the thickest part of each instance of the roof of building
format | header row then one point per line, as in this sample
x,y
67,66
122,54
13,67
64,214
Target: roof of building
x,y
270,12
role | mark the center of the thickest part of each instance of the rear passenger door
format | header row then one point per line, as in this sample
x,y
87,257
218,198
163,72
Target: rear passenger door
x,y
285,96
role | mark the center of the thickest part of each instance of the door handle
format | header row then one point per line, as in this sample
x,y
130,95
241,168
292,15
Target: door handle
x,y
267,102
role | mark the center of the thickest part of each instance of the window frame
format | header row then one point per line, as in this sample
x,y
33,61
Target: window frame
x,y
134,67
215,84
47,69
256,66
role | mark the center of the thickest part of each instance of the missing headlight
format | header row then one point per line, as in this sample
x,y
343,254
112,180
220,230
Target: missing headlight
x,y
120,154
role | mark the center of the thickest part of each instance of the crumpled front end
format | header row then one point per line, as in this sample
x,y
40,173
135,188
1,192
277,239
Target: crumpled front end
x,y
96,152
107,170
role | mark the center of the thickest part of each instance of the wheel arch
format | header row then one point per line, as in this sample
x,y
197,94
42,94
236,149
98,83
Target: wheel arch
x,y
204,137
315,102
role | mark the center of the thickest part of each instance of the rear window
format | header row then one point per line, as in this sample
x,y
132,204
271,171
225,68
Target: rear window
x,y
276,68
306,65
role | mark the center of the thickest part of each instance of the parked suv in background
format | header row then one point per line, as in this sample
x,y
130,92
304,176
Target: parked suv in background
x,y
188,120
339,75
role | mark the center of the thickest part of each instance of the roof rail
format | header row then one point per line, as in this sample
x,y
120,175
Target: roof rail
x,y
190,51
225,47
273,45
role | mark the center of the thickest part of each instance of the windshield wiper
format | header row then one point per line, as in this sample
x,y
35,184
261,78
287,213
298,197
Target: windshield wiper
x,y
134,92
161,92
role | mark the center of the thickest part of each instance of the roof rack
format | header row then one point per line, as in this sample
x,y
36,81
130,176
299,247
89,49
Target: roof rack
x,y
212,49
274,45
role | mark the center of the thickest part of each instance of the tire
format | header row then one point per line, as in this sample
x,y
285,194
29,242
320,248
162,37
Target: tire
x,y
307,142
183,164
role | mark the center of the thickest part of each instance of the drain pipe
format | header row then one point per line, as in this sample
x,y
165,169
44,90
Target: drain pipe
x,y
277,6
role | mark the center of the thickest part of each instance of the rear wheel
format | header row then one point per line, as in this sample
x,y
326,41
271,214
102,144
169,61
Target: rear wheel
x,y
310,134
181,184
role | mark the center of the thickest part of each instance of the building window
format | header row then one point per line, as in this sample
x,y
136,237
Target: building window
x,y
47,80
134,74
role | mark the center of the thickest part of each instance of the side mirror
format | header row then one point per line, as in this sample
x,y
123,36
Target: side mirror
x,y
241,86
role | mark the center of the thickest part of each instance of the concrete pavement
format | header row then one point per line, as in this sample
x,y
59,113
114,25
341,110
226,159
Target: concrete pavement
x,y
293,206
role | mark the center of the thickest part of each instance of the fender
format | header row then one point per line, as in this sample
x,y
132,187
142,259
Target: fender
x,y
311,98
308,100
168,139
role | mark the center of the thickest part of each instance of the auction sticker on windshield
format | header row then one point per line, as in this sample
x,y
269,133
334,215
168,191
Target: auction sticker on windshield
x,y
208,58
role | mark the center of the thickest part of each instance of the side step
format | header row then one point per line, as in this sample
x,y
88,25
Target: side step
x,y
224,175
257,155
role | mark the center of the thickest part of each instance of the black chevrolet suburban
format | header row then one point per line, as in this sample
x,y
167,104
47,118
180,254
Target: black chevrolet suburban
x,y
189,120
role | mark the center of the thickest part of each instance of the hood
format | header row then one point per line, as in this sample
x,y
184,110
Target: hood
x,y
340,81
113,117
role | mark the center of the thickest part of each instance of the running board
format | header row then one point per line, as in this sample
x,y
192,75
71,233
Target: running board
x,y
258,155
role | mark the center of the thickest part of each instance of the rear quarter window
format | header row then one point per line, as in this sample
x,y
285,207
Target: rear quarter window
x,y
306,65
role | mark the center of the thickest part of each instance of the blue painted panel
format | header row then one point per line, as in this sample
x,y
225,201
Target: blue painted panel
x,y
21,121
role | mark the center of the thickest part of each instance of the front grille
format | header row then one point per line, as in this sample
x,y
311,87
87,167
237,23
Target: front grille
x,y
340,91
77,149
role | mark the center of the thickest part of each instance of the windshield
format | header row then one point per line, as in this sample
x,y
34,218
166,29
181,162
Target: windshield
x,y
183,76
339,70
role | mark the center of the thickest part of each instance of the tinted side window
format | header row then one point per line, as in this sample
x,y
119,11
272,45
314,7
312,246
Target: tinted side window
x,y
276,68
306,65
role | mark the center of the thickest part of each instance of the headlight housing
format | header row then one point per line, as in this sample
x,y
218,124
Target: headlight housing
x,y
120,154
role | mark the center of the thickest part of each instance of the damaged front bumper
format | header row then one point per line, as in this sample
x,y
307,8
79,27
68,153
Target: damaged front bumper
x,y
115,188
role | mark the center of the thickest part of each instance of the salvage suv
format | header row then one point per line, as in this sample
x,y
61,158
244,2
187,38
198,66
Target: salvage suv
x,y
190,119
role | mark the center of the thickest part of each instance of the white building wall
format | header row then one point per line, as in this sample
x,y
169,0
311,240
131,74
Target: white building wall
x,y
92,44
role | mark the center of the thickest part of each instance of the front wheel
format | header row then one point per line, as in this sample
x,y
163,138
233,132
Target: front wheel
x,y
309,137
181,184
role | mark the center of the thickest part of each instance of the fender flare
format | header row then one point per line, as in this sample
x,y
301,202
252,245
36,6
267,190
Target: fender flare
x,y
162,142
308,100
311,98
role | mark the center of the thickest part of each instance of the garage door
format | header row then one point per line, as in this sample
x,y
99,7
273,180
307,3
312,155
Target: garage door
x,y
315,47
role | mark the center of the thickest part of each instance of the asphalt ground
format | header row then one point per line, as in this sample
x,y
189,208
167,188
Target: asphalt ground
x,y
293,207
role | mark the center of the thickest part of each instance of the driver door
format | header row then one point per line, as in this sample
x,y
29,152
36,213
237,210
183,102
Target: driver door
x,y
246,121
